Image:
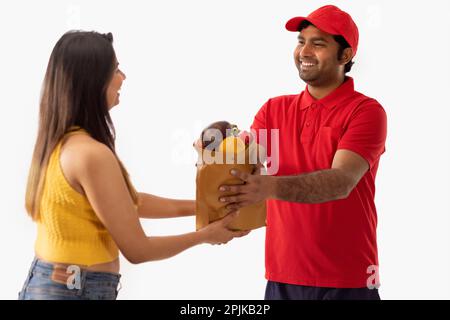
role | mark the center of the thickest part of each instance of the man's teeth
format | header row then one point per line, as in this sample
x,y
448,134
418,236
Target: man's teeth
x,y
308,64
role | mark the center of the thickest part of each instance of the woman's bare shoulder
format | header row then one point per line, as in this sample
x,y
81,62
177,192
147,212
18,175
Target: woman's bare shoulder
x,y
81,153
81,147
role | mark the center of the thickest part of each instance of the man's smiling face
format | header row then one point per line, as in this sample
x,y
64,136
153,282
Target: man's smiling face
x,y
316,57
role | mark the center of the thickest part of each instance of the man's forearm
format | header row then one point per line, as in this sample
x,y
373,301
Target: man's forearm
x,y
314,187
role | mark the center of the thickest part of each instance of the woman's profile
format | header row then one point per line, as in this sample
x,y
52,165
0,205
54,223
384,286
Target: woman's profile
x,y
79,192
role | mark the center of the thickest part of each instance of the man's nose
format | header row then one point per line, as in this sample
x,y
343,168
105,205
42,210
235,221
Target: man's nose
x,y
305,51
123,75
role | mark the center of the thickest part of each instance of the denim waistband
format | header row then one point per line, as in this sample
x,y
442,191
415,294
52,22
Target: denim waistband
x,y
54,281
89,275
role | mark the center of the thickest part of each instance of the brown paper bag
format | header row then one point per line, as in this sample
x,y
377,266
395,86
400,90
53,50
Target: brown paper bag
x,y
210,176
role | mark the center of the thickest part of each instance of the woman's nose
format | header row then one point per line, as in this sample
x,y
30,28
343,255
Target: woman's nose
x,y
123,75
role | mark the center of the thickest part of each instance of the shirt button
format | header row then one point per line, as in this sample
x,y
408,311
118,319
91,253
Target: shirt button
x,y
313,105
308,123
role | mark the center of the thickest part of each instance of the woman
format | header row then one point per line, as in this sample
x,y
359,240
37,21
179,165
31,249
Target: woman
x,y
78,191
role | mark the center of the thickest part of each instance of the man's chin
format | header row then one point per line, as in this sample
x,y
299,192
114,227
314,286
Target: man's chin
x,y
309,79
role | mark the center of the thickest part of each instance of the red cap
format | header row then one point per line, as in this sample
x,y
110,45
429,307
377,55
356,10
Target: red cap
x,y
332,20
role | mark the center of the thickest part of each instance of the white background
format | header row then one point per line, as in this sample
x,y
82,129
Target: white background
x,y
190,63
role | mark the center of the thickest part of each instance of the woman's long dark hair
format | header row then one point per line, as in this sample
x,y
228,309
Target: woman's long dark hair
x,y
80,68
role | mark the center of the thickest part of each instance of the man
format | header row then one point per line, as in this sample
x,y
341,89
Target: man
x,y
321,216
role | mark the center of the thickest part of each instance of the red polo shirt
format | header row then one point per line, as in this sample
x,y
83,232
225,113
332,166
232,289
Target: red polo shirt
x,y
330,244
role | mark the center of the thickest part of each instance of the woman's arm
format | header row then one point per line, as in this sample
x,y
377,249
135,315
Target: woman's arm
x,y
151,206
99,174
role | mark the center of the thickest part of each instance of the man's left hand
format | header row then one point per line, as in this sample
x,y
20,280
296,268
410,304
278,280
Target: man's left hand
x,y
256,188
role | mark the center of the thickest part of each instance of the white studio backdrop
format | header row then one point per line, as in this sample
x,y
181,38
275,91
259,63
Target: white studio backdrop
x,y
189,63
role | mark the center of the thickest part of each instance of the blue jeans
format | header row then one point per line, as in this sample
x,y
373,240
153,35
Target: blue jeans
x,y
43,283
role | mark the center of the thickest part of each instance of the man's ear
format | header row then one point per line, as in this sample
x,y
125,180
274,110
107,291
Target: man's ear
x,y
346,56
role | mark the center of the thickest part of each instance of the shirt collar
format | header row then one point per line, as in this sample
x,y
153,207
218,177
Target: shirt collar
x,y
331,100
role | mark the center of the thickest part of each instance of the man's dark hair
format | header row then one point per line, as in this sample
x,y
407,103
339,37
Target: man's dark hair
x,y
343,44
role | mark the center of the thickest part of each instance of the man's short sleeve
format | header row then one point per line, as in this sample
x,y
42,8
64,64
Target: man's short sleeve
x,y
366,132
259,122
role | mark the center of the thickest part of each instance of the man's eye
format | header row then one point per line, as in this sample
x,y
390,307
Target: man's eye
x,y
319,44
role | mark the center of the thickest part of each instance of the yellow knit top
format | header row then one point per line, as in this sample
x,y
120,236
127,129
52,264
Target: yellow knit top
x,y
68,228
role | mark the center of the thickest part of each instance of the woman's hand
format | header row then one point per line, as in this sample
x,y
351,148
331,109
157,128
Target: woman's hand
x,y
218,231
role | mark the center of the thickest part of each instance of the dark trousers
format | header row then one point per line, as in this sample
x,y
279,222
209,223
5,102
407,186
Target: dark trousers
x,y
284,291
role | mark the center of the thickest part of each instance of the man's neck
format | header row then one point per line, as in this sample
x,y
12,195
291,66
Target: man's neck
x,y
319,92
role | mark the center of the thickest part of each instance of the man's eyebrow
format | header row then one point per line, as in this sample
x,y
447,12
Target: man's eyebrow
x,y
313,38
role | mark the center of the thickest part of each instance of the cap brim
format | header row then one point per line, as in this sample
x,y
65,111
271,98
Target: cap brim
x,y
294,23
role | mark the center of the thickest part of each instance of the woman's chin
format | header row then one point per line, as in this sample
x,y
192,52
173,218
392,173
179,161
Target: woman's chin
x,y
116,102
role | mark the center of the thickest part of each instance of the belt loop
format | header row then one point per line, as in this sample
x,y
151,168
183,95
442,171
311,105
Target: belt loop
x,y
33,266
